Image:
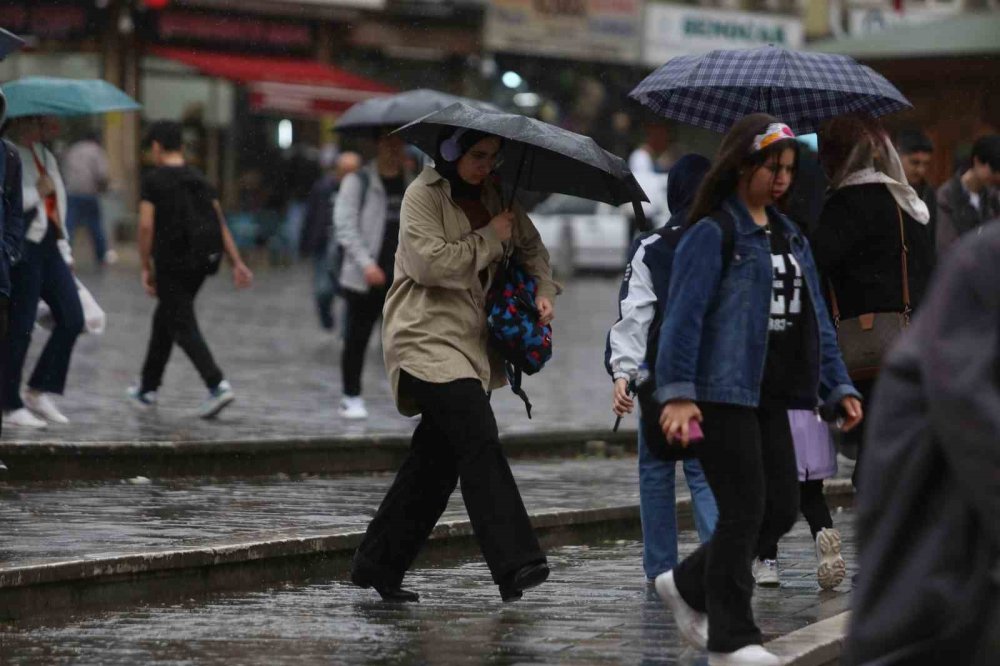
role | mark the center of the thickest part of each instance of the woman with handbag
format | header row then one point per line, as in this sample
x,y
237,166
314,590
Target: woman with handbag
x,y
745,338
44,273
871,246
454,231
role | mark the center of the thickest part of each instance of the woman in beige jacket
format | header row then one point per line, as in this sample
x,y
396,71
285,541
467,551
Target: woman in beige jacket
x,y
453,235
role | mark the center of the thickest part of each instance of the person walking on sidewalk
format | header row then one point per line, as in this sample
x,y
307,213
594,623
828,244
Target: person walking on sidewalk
x,y
453,235
182,237
11,241
366,220
85,165
43,274
317,240
643,298
745,337
971,198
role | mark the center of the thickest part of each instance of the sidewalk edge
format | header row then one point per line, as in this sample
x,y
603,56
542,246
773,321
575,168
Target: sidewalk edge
x,y
817,644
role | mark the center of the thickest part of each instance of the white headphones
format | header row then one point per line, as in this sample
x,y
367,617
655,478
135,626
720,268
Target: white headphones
x,y
451,150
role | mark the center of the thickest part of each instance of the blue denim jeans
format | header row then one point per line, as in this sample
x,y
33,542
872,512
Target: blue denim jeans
x,y
85,211
658,508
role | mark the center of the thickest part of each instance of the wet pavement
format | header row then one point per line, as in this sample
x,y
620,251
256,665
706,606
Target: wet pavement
x,y
286,370
595,609
54,522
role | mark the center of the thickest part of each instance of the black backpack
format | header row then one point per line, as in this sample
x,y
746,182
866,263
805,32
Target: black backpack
x,y
198,223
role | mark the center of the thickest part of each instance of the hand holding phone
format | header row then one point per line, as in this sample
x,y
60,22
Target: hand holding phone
x,y
695,433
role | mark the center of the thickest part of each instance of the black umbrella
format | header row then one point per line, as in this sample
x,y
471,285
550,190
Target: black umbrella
x,y
397,110
9,42
538,156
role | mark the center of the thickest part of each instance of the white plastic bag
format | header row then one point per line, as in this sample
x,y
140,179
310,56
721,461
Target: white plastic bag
x,y
94,317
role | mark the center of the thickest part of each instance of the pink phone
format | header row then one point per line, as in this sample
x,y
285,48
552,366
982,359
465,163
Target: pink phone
x,y
695,433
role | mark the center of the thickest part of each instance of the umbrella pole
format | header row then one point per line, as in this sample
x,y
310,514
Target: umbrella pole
x,y
517,178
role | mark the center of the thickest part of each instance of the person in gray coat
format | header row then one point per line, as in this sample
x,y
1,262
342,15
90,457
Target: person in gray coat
x,y
972,197
366,224
929,495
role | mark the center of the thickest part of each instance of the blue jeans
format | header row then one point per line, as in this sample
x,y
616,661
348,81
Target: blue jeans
x,y
658,508
41,275
85,211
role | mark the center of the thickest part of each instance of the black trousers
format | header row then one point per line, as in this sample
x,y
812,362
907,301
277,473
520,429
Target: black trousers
x,y
456,441
4,321
363,310
812,503
174,321
749,462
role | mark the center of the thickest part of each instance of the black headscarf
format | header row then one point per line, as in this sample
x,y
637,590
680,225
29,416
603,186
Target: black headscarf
x,y
460,189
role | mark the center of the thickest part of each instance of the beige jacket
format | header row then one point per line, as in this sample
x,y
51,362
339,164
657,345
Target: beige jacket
x,y
434,318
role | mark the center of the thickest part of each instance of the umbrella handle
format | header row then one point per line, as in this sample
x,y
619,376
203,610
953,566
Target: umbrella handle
x,y
517,178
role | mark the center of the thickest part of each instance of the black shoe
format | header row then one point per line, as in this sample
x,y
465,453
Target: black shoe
x,y
530,575
397,594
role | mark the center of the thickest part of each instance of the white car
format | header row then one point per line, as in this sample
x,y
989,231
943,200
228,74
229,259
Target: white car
x,y
584,235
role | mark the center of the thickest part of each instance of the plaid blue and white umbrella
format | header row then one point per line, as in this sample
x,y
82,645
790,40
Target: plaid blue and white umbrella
x,y
800,89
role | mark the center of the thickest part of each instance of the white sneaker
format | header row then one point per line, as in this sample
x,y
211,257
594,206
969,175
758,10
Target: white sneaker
x,y
692,624
765,572
110,257
831,567
218,399
22,418
42,405
143,401
751,655
353,407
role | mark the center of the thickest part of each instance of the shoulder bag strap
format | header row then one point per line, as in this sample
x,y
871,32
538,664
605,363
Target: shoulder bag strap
x,y
904,255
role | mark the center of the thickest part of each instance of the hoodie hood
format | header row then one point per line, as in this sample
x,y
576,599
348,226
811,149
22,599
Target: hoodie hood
x,y
683,181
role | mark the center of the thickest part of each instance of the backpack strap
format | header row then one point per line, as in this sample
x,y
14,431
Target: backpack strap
x,y
514,376
365,178
727,223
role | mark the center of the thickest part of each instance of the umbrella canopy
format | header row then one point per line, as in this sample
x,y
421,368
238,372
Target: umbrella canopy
x,y
398,110
50,96
801,89
538,156
9,42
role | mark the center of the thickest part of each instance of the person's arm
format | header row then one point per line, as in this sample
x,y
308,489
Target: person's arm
x,y
431,259
242,276
147,222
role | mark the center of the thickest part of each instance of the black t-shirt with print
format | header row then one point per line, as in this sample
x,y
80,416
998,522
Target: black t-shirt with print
x,y
394,190
791,370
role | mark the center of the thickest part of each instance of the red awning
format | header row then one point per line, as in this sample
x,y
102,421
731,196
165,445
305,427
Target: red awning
x,y
286,85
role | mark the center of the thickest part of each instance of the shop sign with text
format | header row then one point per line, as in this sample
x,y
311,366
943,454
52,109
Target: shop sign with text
x,y
673,30
598,30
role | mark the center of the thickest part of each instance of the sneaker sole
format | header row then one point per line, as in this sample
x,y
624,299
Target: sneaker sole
x,y
832,569
768,583
222,403
671,599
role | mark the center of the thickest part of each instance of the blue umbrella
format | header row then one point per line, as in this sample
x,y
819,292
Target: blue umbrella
x,y
9,42
802,89
49,96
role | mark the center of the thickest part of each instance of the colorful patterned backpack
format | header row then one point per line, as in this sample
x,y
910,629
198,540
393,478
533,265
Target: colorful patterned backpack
x,y
513,322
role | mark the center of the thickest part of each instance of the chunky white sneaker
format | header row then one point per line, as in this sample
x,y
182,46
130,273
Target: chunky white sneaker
x,y
218,399
353,407
42,405
692,624
765,572
831,567
22,418
143,401
751,655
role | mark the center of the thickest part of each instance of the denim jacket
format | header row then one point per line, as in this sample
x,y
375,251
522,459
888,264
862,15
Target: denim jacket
x,y
713,342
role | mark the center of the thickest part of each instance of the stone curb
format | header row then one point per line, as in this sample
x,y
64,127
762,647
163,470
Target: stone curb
x,y
818,644
54,461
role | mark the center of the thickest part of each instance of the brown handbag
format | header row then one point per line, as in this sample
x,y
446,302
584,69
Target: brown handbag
x,y
865,339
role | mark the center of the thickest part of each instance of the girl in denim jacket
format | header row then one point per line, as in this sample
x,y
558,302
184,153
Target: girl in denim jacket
x,y
743,341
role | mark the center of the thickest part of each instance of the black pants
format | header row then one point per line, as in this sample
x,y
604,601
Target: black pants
x,y
174,321
456,441
749,461
363,310
813,506
4,321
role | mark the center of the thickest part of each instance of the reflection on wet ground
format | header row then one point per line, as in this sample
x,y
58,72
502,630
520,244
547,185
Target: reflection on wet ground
x,y
595,609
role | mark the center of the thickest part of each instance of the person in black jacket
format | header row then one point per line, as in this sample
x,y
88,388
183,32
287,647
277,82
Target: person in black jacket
x,y
857,244
930,492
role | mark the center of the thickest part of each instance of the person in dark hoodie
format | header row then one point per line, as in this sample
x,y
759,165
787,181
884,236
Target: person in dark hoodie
x,y
930,492
631,341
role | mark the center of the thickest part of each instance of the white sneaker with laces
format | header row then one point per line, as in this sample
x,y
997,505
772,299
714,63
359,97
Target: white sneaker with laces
x,y
22,418
765,572
218,399
751,655
353,407
692,624
42,405
831,567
